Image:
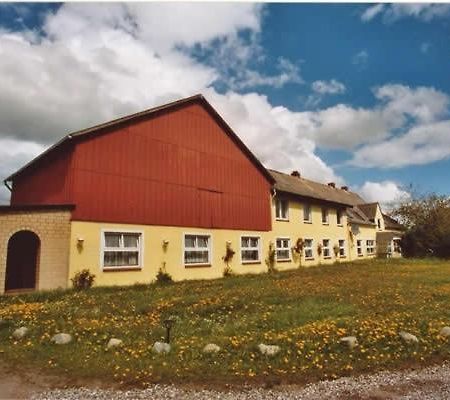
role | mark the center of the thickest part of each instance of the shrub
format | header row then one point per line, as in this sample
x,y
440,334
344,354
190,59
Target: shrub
x,y
83,280
163,277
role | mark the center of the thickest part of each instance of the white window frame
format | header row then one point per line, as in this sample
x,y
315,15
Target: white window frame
x,y
251,248
282,200
372,247
309,207
359,248
283,249
104,249
209,248
327,221
342,248
326,248
308,248
339,221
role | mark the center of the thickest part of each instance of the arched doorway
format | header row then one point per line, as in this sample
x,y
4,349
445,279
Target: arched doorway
x,y
22,261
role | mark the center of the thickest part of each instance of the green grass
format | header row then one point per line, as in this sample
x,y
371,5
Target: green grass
x,y
304,311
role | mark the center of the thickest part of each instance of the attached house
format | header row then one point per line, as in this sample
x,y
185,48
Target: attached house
x,y
169,188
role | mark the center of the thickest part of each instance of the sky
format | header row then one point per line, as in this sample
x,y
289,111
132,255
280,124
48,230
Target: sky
x,y
357,94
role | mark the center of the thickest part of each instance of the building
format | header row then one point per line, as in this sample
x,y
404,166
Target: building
x,y
172,187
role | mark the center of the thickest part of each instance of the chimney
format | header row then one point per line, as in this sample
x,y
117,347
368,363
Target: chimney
x,y
344,188
296,174
332,184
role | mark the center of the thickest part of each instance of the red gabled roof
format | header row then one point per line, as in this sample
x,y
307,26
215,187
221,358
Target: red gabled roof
x,y
101,128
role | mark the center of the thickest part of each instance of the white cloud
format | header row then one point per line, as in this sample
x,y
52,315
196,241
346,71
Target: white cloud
x,y
387,193
393,12
361,58
372,11
328,87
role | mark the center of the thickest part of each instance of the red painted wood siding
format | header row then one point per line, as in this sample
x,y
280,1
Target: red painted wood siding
x,y
48,183
178,169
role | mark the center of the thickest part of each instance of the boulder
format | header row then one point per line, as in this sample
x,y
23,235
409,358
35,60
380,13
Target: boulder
x,y
114,343
408,338
350,341
61,338
211,348
445,331
20,333
161,347
268,350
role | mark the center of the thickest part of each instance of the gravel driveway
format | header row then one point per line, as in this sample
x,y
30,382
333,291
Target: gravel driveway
x,y
424,384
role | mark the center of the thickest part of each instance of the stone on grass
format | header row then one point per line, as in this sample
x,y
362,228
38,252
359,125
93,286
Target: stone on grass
x,y
20,333
161,347
114,343
350,341
445,331
408,338
61,338
211,348
268,350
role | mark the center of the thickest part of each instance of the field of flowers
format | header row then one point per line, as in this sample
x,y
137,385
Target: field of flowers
x,y
305,312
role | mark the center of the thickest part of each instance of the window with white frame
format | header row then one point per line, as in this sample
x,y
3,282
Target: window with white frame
x,y
307,216
281,209
122,250
250,249
341,247
325,215
197,249
283,249
308,249
359,249
370,247
326,251
339,217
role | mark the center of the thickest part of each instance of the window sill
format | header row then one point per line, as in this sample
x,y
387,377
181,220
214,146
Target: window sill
x,y
340,225
197,265
117,269
309,259
343,256
282,219
251,262
307,222
325,223
284,260
327,257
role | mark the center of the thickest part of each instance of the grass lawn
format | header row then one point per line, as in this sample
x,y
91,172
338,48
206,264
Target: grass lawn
x,y
304,311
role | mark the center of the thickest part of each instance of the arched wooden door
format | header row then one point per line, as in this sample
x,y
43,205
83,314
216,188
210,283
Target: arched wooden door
x,y
22,261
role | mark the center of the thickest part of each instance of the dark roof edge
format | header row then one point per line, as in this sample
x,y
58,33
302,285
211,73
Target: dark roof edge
x,y
317,199
37,207
141,114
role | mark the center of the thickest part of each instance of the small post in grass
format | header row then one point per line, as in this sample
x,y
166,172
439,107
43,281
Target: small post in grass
x,y
168,324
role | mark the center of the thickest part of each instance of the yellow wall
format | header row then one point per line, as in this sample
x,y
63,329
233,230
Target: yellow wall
x,y
364,233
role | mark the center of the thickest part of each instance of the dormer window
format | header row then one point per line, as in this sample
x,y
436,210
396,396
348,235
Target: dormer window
x,y
282,209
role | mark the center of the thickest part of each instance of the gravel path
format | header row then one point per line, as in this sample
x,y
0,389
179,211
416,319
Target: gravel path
x,y
431,383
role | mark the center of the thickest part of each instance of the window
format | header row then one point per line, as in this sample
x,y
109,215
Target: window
x,y
122,250
197,249
283,249
324,215
307,217
370,246
341,248
339,217
250,246
326,251
379,223
359,249
282,209
308,248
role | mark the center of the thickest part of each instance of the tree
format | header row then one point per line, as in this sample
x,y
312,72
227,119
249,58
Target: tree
x,y
427,219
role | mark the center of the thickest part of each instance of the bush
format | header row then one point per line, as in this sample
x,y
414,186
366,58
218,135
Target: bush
x,y
163,277
83,280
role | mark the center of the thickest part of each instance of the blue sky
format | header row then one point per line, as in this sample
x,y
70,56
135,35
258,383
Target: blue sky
x,y
353,93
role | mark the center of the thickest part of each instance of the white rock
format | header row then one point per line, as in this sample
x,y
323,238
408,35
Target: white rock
x,y
20,332
211,348
350,341
61,338
114,343
445,331
269,350
161,347
408,337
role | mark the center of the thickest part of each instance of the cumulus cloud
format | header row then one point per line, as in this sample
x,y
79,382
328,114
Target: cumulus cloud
x,y
393,12
387,193
328,87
